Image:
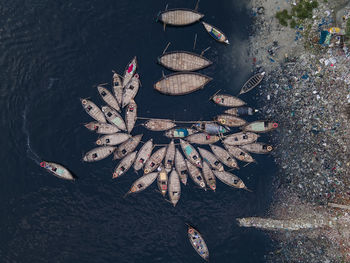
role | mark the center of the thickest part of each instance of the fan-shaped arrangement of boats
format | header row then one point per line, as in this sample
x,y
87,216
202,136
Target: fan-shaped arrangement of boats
x,y
215,33
183,61
179,17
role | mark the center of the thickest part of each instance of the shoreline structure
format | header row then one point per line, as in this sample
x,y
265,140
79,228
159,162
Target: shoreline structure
x,y
309,96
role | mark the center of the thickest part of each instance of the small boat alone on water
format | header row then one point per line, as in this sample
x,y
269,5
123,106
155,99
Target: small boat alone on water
x,y
162,181
224,156
127,147
93,110
169,156
209,176
174,190
216,33
57,170
195,174
102,128
241,138
124,165
114,117
191,153
129,71
130,90
107,97
198,242
181,83
143,155
230,121
176,133
159,124
154,161
179,17
211,128
202,138
98,153
227,100
181,167
260,126
131,115
252,83
241,111
142,183
210,158
239,154
230,179
183,61
257,147
117,87
113,139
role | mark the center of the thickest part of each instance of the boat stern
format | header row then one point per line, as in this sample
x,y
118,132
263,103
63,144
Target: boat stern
x,y
227,42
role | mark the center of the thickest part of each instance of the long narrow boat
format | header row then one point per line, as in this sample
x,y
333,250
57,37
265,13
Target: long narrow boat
x,y
57,170
169,156
114,117
154,161
260,126
129,71
127,147
198,242
216,33
191,153
142,183
181,166
181,83
211,128
241,111
183,61
143,155
241,138
93,110
98,153
174,190
252,83
113,139
107,97
230,121
162,181
227,100
159,124
177,133
202,138
117,87
224,156
210,158
195,174
130,90
124,165
209,176
131,115
257,147
239,154
230,179
179,16
102,128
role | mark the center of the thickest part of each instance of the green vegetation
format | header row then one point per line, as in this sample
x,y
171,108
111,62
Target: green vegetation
x,y
347,29
293,24
283,16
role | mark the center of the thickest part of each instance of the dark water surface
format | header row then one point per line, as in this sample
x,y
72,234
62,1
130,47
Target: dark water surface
x,y
54,52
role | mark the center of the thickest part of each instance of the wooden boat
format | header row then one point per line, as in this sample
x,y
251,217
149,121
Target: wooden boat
x,y
181,167
191,153
224,156
57,170
179,16
113,139
183,61
142,183
230,179
209,176
202,138
195,174
211,159
216,33
154,161
143,155
181,83
114,117
169,156
130,90
124,165
127,147
241,111
108,98
257,147
102,128
129,71
94,111
174,187
98,153
239,154
179,132
162,181
131,115
240,138
260,126
198,242
229,120
117,87
211,128
252,83
227,100
159,124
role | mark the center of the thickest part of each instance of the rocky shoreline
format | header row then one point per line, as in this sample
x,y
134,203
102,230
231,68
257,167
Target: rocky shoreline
x,y
307,92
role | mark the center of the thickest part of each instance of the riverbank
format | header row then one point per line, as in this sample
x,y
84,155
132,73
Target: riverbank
x,y
307,92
